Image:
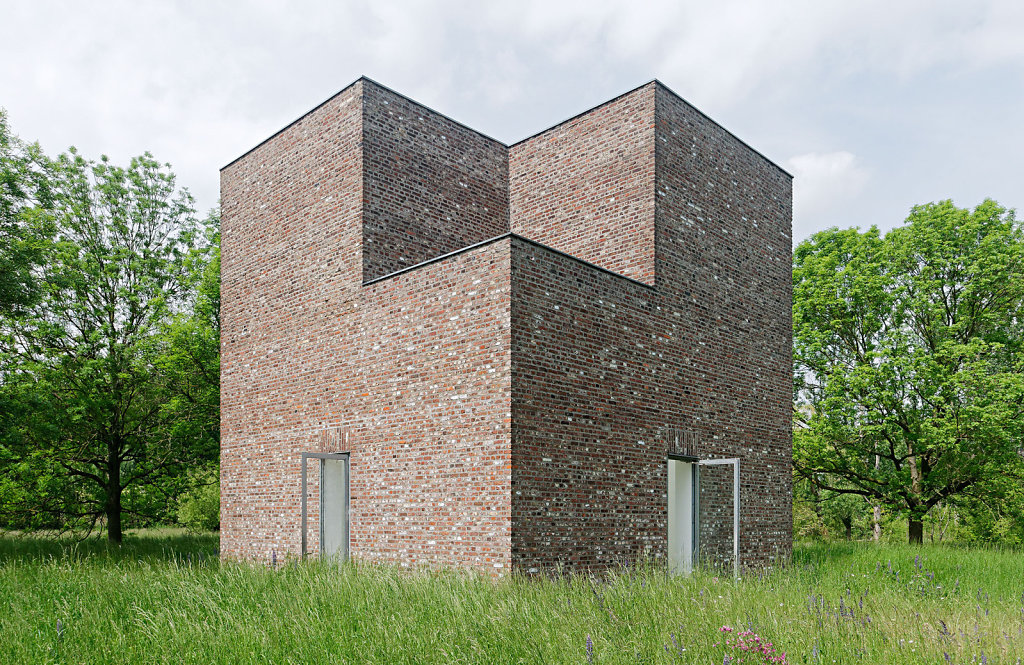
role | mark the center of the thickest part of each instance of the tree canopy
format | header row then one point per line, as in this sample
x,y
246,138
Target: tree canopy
x,y
24,196
908,358
109,374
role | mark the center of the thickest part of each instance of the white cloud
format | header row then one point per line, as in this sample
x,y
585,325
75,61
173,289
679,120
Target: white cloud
x,y
198,83
822,184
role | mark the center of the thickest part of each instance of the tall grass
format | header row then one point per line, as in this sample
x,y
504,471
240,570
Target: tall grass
x,y
165,599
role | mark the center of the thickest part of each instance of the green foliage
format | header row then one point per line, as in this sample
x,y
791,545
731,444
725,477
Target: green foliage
x,y
24,228
199,507
109,386
994,515
826,515
189,354
162,597
908,358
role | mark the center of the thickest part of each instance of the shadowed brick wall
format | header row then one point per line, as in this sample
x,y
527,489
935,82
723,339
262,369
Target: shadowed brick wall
x,y
715,517
586,186
723,254
431,186
602,366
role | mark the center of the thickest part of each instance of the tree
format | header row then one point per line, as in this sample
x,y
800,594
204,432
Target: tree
x,y
189,352
24,194
908,358
89,435
189,364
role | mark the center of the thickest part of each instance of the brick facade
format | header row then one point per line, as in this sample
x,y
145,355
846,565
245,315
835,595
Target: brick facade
x,y
508,341
586,186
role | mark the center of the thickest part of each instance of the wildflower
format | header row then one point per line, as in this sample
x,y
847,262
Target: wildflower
x,y
60,629
590,649
679,648
725,629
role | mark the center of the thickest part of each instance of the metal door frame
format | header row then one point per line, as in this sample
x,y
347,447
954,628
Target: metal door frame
x,y
735,461
348,493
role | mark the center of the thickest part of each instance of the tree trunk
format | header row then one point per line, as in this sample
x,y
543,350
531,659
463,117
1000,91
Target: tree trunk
x,y
848,526
916,530
917,511
113,506
114,520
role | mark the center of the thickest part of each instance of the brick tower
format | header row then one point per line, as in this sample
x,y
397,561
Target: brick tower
x,y
506,348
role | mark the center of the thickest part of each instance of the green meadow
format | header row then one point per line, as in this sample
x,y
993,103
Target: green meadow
x,y
163,597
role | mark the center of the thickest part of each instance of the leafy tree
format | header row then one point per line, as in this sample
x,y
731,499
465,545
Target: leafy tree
x,y
24,194
908,359
92,434
993,512
189,353
820,514
189,364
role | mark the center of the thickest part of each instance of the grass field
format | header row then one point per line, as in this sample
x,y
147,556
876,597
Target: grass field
x,y
164,598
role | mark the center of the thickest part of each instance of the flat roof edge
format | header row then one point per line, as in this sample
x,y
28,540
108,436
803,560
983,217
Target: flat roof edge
x,y
291,124
512,236
366,79
722,127
656,82
585,112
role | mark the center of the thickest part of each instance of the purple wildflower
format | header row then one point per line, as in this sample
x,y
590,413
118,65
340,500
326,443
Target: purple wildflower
x,y
590,649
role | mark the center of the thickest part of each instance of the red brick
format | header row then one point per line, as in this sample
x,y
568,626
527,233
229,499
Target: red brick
x,y
510,405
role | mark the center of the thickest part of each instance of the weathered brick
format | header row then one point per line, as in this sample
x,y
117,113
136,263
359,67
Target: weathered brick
x,y
595,297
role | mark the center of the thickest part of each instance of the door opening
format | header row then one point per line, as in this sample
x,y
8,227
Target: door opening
x,y
699,528
682,493
333,504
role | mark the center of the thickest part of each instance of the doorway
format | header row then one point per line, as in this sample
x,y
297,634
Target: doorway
x,y
682,525
333,517
703,523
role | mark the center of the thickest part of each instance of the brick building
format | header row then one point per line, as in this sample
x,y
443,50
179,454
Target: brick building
x,y
506,357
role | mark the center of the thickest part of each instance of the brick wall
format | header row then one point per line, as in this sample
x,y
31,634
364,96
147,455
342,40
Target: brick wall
x,y
290,262
509,405
431,186
724,236
428,407
603,367
586,186
414,369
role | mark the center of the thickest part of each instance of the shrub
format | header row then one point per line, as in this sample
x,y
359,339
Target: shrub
x,y
199,508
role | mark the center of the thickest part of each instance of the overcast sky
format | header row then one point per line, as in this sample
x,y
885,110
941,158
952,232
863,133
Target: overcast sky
x,y
873,105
